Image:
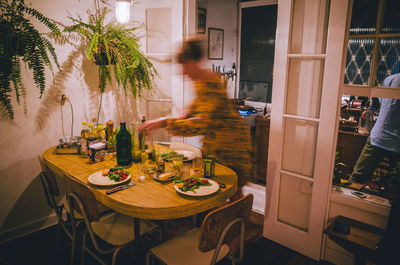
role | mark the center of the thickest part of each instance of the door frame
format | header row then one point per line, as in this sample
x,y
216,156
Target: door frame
x,y
307,243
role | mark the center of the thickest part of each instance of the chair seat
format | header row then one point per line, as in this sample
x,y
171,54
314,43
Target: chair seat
x,y
117,229
184,250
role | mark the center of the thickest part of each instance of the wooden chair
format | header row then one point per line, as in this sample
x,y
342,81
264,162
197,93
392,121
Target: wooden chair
x,y
52,193
115,229
221,234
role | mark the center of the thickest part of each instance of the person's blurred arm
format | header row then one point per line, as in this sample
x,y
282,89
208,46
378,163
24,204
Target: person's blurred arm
x,y
196,123
191,123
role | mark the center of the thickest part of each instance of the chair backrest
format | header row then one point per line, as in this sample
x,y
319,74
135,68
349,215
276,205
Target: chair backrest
x,y
83,200
216,221
187,147
49,184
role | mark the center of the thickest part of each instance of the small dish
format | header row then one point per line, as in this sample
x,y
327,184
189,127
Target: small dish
x,y
156,175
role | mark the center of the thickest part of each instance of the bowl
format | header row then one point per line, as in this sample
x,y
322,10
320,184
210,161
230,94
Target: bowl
x,y
69,140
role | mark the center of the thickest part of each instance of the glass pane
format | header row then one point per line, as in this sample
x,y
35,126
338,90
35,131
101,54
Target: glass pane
x,y
364,16
358,61
391,21
158,30
309,26
299,146
304,87
388,59
295,201
162,83
257,49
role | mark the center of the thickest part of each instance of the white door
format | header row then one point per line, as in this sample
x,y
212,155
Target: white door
x,y
309,51
165,28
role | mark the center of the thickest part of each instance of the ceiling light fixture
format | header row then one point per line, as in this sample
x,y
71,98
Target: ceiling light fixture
x,y
122,10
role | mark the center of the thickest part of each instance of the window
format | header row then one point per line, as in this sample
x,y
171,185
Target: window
x,y
373,50
373,53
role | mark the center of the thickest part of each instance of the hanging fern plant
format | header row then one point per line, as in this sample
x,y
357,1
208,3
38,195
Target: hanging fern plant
x,y
19,39
116,49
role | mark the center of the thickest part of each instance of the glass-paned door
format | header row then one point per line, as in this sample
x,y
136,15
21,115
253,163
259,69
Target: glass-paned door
x,y
307,78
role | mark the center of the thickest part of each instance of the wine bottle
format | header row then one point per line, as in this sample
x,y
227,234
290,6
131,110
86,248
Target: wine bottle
x,y
124,145
109,129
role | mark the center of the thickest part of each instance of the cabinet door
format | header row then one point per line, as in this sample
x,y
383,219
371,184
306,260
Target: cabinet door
x,y
163,33
307,80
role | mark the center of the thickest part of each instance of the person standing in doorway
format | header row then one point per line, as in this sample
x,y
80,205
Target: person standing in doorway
x,y
384,141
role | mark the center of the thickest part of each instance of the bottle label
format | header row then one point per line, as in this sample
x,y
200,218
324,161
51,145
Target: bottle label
x,y
209,167
84,146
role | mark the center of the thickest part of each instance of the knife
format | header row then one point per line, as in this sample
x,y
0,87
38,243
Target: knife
x,y
121,187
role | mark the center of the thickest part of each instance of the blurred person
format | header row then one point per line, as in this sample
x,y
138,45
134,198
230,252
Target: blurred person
x,y
212,115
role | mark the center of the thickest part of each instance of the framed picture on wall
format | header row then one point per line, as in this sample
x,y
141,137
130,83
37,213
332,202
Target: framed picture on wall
x,y
215,44
201,20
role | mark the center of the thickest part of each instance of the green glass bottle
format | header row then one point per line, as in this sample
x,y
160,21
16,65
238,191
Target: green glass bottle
x,y
124,145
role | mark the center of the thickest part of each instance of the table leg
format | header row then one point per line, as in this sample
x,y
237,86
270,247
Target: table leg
x,y
136,226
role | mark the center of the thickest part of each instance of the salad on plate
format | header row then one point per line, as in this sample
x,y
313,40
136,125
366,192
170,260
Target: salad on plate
x,y
191,183
116,173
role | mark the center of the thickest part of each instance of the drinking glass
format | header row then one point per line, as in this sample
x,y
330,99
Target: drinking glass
x,y
198,166
186,169
177,164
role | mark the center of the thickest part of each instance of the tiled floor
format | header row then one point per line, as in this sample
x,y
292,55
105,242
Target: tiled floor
x,y
40,249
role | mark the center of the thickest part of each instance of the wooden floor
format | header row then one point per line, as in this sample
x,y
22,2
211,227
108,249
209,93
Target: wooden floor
x,y
40,249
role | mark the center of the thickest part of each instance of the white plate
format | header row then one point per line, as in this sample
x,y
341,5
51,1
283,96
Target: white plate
x,y
100,180
202,191
189,155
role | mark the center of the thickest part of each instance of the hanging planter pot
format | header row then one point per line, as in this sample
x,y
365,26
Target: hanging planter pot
x,y
131,69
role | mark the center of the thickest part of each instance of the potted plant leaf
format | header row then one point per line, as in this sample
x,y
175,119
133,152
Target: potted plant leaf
x,y
115,48
19,39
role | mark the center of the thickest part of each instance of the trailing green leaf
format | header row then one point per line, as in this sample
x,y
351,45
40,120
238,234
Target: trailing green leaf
x,y
19,39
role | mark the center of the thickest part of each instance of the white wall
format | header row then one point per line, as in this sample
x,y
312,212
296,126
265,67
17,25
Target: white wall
x,y
23,207
223,14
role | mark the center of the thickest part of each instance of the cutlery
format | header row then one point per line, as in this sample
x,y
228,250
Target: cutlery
x,y
222,185
121,187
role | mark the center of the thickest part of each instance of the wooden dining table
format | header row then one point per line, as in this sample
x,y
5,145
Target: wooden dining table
x,y
150,200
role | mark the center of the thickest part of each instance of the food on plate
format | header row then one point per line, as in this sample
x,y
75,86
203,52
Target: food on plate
x,y
168,155
116,173
191,183
166,176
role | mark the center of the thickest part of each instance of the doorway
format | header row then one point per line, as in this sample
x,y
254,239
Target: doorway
x,y
257,47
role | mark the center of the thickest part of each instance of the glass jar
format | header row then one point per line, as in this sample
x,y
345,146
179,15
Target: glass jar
x,y
136,152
